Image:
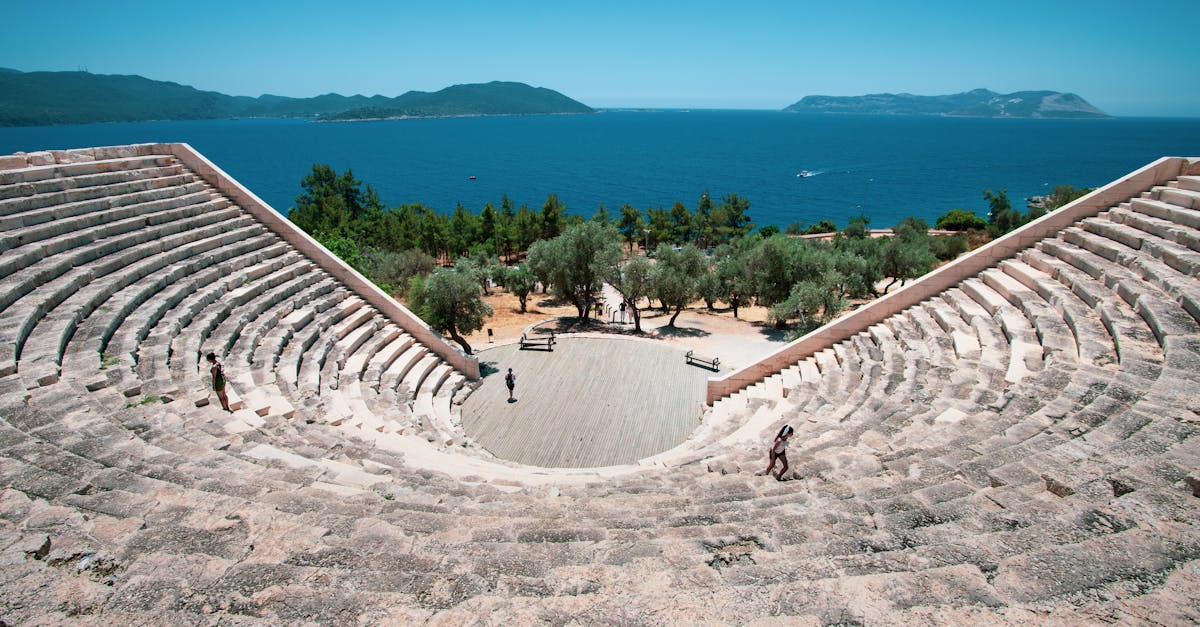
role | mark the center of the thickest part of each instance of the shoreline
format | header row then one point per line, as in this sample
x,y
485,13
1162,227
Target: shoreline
x,y
444,116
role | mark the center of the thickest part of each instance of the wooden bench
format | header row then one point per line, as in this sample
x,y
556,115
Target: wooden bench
x,y
713,364
541,342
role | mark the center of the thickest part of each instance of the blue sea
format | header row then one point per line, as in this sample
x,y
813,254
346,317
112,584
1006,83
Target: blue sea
x,y
884,167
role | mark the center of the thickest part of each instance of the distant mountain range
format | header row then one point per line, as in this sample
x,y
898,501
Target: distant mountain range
x,y
36,98
981,103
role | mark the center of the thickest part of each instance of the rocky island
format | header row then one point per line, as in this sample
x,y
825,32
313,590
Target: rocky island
x,y
981,103
39,98
494,98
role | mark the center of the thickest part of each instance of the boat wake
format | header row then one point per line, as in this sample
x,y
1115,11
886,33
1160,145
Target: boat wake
x,y
838,169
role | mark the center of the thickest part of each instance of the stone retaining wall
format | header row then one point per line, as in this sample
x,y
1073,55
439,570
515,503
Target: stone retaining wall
x,y
1128,186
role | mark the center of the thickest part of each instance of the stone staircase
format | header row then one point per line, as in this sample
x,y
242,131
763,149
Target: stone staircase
x,y
1019,448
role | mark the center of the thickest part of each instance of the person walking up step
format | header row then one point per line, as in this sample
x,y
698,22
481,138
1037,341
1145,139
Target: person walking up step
x,y
779,452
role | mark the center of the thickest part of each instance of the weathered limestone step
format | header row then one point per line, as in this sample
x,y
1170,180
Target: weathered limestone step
x,y
269,291
235,260
809,372
1189,183
992,342
355,364
1178,257
1025,352
53,191
50,338
127,310
383,359
331,471
1167,211
303,357
48,230
179,185
1187,198
390,381
110,186
1092,341
790,378
965,341
1052,572
163,347
1168,231
292,295
30,266
305,308
322,365
424,412
45,168
1052,332
406,390
1164,317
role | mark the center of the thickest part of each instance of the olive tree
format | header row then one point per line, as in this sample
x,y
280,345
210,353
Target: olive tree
x,y
520,281
676,275
451,301
812,301
578,261
634,281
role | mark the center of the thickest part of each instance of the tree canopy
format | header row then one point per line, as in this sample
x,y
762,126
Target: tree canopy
x,y
576,263
676,275
633,280
712,253
451,301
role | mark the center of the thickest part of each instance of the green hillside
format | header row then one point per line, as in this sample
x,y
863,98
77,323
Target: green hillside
x,y
38,98
495,98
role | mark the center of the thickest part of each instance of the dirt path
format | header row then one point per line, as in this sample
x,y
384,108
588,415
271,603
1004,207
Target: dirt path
x,y
737,342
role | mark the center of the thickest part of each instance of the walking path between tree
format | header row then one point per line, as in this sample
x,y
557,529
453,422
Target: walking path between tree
x,y
736,342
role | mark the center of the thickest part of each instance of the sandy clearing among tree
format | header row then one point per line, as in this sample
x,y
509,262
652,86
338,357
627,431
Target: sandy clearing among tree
x,y
737,341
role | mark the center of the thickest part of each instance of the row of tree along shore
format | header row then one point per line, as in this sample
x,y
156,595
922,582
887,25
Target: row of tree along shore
x,y
445,265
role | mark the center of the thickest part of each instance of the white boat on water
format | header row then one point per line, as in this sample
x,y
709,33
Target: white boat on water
x,y
804,174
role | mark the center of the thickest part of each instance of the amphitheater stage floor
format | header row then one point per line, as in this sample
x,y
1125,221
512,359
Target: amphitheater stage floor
x,y
593,401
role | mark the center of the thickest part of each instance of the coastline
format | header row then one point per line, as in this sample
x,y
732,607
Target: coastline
x,y
444,116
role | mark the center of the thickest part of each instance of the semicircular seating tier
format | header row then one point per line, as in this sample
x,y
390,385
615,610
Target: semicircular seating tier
x,y
1015,444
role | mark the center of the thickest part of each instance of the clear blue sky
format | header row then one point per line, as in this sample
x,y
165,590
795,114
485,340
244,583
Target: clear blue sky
x,y
1126,58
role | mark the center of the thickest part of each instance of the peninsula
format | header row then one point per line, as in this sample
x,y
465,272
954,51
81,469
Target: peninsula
x,y
981,103
41,98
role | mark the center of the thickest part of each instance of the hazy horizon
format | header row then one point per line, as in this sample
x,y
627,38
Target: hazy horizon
x,y
628,55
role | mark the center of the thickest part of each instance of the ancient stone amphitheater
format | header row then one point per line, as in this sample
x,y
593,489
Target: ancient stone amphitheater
x,y
1011,439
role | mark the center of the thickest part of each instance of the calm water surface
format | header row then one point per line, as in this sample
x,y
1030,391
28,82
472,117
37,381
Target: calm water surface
x,y
884,167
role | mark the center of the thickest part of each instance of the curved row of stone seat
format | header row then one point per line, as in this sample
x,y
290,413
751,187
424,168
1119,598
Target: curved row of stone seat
x,y
175,458
144,328
936,495
1126,333
489,540
60,266
1096,350
175,292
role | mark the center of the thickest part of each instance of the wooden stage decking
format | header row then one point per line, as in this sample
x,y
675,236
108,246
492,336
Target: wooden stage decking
x,y
591,402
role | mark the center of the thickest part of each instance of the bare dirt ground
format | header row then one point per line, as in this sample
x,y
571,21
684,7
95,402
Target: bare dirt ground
x,y
737,342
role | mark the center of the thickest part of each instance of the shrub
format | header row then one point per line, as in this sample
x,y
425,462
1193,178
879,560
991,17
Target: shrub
x,y
960,220
948,247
